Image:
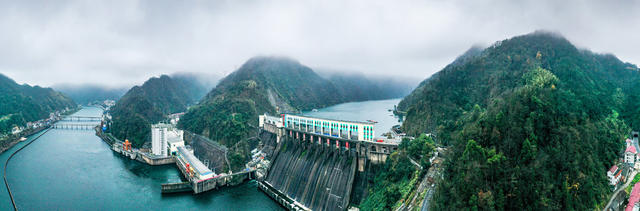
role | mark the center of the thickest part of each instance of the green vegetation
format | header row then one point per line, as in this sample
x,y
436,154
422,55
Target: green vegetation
x,y
148,104
229,113
20,104
396,179
420,149
534,123
633,182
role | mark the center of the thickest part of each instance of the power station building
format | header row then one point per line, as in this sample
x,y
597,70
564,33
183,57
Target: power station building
x,y
165,136
353,130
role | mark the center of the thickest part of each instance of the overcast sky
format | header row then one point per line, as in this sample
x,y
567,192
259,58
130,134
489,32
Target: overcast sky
x,y
119,43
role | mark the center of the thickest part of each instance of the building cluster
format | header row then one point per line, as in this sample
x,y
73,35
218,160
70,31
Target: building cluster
x,y
53,116
618,173
175,118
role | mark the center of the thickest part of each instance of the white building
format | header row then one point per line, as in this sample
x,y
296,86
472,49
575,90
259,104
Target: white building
x,y
160,134
16,130
631,153
614,174
173,143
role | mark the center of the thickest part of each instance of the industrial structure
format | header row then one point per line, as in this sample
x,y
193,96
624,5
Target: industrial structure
x,y
161,134
194,168
352,130
316,160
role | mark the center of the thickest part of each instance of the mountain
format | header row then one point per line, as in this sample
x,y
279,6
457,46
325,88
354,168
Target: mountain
x,y
532,123
262,84
20,104
85,94
229,113
359,87
144,105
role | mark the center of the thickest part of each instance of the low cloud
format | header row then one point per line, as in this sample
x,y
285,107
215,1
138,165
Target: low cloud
x,y
119,43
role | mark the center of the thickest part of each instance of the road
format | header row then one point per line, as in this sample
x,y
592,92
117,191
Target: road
x,y
615,194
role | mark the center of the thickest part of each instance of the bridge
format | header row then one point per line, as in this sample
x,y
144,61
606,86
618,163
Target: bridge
x,y
82,119
64,126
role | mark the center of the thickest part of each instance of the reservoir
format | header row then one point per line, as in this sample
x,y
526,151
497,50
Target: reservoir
x,y
75,170
376,110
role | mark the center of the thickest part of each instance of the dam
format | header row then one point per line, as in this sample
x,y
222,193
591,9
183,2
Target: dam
x,y
315,161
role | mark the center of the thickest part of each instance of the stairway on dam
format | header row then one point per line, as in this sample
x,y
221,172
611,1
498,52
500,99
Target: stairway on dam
x,y
317,176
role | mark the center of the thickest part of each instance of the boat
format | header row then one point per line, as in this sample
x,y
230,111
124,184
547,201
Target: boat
x,y
368,120
23,138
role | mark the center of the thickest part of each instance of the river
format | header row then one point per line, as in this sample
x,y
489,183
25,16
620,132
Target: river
x,y
75,170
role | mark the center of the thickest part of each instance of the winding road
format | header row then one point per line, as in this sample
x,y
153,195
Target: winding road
x,y
615,194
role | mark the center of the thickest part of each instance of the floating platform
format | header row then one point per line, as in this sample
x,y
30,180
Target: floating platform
x,y
177,187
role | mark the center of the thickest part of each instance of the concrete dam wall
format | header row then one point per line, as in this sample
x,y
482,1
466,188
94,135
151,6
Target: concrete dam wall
x,y
318,176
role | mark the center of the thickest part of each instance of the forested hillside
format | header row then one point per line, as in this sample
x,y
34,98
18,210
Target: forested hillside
x,y
229,113
20,104
533,122
148,104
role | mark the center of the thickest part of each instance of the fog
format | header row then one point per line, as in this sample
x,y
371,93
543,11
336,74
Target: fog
x,y
120,43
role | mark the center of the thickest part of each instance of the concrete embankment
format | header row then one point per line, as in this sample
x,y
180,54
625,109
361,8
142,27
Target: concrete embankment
x,y
209,152
116,146
320,177
7,164
13,140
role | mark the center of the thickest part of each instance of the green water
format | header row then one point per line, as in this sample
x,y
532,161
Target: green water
x,y
75,170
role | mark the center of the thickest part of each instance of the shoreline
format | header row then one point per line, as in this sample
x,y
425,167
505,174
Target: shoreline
x,y
15,139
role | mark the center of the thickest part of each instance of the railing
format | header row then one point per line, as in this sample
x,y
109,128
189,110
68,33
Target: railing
x,y
74,126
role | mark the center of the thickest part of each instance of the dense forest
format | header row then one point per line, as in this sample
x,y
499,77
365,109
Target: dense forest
x,y
148,104
395,180
532,121
20,104
229,113
85,94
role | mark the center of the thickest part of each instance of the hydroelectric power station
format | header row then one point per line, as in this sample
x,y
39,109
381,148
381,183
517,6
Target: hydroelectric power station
x,y
315,162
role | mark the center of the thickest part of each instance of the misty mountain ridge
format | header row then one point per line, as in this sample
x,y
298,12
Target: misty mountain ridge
x,y
89,93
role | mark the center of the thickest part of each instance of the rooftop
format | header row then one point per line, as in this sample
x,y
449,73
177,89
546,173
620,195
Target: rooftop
x,y
174,139
329,119
634,197
631,148
613,169
194,162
